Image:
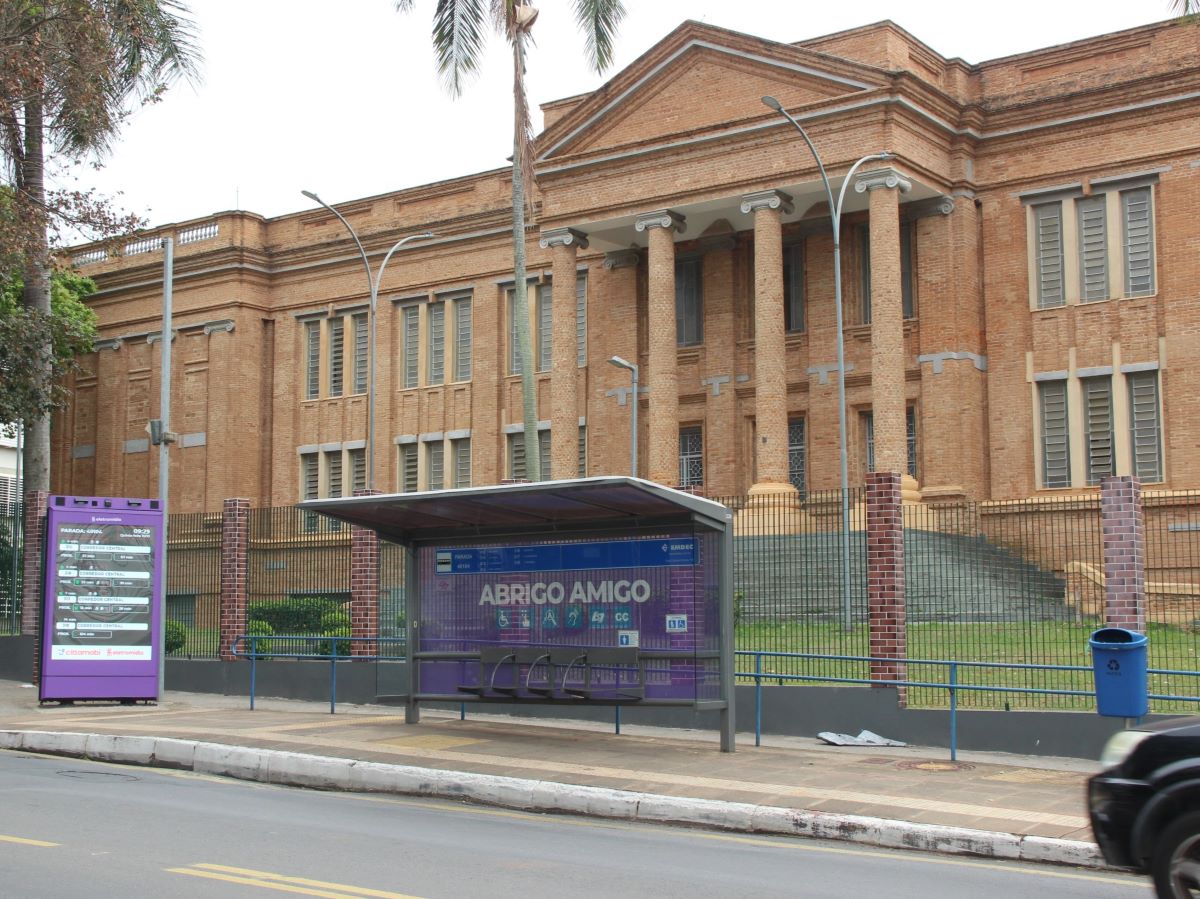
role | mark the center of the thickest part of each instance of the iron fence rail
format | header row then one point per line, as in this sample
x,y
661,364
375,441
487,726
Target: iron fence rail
x,y
11,568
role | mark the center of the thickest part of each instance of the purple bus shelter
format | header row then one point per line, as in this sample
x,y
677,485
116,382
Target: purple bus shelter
x,y
608,590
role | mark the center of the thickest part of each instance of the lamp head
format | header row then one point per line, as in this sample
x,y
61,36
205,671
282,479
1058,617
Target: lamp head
x,y
622,363
773,103
311,196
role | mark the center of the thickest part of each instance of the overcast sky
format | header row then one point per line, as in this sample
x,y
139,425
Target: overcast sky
x,y
342,97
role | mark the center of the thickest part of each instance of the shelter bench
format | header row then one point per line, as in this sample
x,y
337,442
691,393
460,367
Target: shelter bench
x,y
548,672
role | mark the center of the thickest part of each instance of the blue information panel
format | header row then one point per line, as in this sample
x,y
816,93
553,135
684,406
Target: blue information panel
x,y
568,556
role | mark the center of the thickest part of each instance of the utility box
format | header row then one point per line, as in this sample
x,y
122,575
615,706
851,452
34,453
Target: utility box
x,y
1119,667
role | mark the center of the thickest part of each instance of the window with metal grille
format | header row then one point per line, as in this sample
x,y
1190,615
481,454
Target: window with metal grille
x,y
312,360
1145,425
435,464
514,347
361,350
461,450
310,485
689,302
337,336
1048,245
408,468
866,422
1137,217
333,473
543,455
691,457
582,451
358,469
581,319
1098,427
1056,443
910,427
411,321
436,322
862,235
516,455
462,339
908,251
797,456
545,327
1092,222
793,286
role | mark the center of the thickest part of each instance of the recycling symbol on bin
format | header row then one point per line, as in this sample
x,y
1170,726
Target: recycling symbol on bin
x,y
1114,665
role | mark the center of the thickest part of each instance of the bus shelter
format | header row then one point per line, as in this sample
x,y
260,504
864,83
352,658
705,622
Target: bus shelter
x,y
596,591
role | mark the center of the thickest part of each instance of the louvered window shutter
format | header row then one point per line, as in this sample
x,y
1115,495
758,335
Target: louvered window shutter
x,y
436,313
462,346
358,470
333,462
1098,423
462,462
1145,426
583,451
408,468
1048,218
437,464
412,337
360,352
516,455
543,455
337,334
545,328
309,475
581,320
1139,242
1093,249
1056,450
312,336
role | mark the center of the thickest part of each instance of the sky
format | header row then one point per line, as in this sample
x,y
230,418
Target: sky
x,y
342,98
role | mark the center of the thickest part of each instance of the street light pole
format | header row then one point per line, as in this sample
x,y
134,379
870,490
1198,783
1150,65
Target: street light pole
x,y
373,282
633,423
835,213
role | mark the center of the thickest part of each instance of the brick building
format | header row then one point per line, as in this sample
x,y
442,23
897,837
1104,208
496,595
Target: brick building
x,y
1020,299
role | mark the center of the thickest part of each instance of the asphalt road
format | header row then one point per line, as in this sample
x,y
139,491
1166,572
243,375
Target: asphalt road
x,y
72,828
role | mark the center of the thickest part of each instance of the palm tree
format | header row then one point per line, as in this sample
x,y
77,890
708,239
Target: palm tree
x,y
70,72
459,35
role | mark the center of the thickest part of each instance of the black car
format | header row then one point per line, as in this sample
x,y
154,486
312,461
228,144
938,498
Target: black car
x,y
1145,804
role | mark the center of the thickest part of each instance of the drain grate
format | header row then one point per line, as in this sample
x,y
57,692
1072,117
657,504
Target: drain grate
x,y
99,776
934,766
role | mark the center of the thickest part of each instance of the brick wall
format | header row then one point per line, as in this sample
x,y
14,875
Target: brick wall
x,y
364,587
1124,530
235,570
885,575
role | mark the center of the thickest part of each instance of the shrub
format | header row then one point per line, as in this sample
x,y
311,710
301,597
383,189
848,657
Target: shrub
x,y
256,627
175,637
332,622
294,615
343,646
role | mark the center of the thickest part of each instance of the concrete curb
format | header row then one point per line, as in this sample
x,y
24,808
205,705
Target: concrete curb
x,y
324,773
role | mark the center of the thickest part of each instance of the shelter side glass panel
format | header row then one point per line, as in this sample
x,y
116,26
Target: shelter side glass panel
x,y
602,619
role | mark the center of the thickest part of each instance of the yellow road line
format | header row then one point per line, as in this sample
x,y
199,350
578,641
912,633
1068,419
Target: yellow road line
x,y
282,882
24,841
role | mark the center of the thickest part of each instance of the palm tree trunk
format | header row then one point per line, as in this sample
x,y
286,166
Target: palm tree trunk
x,y
37,289
520,288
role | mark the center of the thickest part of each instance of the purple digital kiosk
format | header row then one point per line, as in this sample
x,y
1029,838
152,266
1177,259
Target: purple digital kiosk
x,y
100,616
596,591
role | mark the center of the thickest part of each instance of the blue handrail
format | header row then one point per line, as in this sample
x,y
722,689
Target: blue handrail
x,y
951,684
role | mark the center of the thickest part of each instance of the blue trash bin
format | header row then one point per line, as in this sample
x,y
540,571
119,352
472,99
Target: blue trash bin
x,y
1119,667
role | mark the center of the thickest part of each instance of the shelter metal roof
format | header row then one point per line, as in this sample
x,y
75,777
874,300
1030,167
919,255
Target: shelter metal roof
x,y
535,508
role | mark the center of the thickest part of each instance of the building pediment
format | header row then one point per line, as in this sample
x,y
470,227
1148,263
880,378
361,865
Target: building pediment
x,y
699,79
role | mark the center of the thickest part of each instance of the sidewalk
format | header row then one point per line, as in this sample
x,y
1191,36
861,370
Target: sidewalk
x,y
985,804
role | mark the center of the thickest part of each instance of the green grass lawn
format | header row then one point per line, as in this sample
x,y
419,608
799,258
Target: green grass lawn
x,y
1040,643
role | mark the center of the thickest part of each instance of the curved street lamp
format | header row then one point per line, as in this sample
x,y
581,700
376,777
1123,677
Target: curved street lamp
x,y
633,424
373,281
835,213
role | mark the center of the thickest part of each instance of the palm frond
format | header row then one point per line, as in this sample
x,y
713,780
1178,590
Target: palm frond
x,y
598,20
459,35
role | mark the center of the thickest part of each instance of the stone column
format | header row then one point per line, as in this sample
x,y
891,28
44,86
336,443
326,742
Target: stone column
x,y
1124,540
770,361
663,380
564,366
887,325
235,573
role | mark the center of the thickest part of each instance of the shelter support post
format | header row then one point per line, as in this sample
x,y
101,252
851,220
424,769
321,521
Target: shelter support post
x,y
412,611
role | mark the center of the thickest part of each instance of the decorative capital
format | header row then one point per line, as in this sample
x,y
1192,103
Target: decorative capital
x,y
155,336
621,259
563,237
945,205
111,344
661,218
767,199
888,179
223,326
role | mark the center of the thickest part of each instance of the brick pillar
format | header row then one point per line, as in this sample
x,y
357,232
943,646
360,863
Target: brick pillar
x,y
1124,538
564,367
364,587
663,380
770,360
887,323
885,575
32,585
235,571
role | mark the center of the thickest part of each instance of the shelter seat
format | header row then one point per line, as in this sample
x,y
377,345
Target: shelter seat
x,y
491,660
553,660
618,659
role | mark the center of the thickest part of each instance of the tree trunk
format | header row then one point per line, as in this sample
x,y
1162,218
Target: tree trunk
x,y
37,290
533,468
